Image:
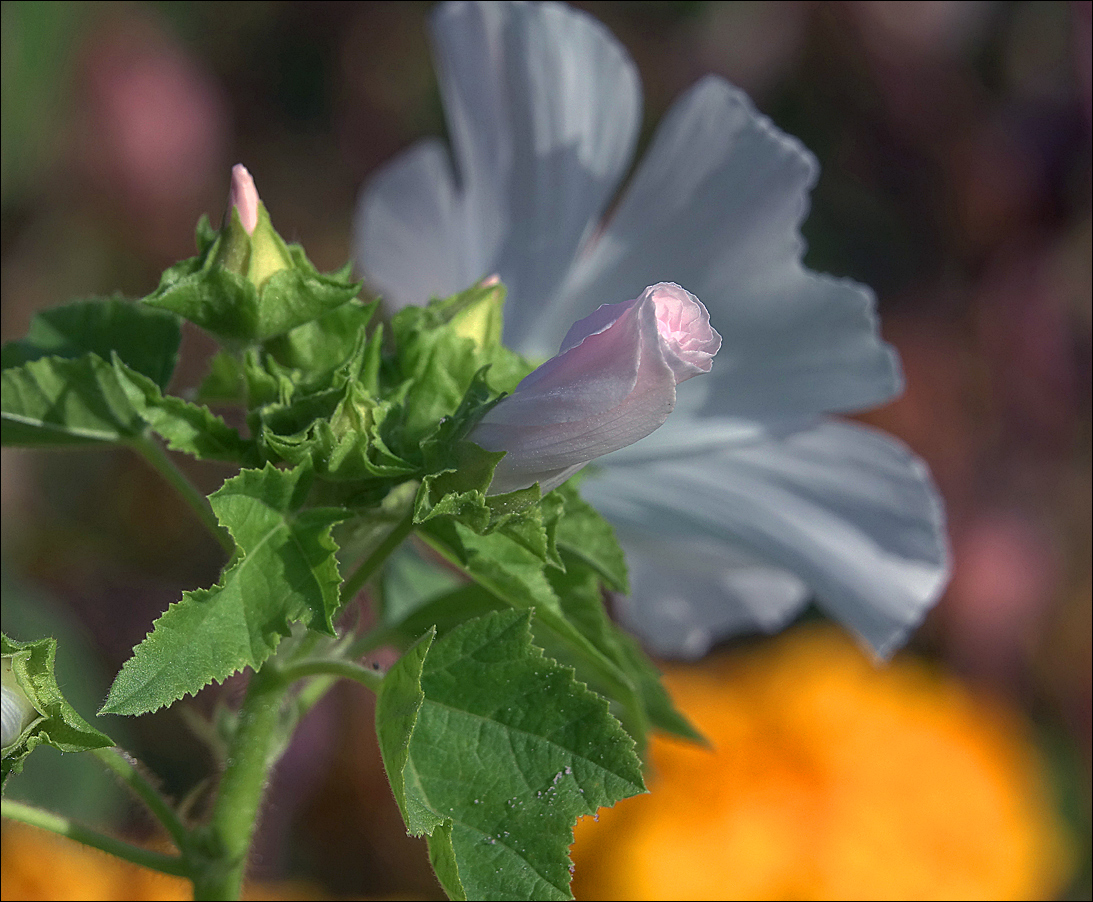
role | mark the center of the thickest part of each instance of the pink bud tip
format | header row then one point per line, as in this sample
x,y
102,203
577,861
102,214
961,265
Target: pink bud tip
x,y
244,197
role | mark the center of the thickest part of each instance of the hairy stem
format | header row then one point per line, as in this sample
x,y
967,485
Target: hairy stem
x,y
345,670
125,768
153,452
255,748
156,861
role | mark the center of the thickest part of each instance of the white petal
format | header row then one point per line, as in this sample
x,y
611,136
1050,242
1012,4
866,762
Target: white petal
x,y
410,234
689,594
543,107
715,206
850,512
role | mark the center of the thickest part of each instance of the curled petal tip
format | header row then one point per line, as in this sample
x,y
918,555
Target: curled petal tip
x,y
244,197
688,339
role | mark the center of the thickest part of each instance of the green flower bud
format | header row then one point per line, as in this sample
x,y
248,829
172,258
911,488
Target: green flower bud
x,y
245,284
479,316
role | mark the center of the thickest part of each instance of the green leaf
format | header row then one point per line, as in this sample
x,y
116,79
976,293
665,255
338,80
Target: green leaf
x,y
54,401
588,536
325,343
28,669
577,587
146,340
570,619
59,387
494,751
284,571
187,427
518,578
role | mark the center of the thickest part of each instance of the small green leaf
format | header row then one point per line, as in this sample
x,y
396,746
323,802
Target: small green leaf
x,y
54,401
494,751
146,340
588,536
284,571
59,725
186,427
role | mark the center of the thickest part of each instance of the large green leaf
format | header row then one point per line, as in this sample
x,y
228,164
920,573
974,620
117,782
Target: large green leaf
x,y
28,669
494,751
53,401
284,571
145,339
570,619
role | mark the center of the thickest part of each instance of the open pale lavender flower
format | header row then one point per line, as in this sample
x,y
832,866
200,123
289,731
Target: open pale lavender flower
x,y
612,383
749,501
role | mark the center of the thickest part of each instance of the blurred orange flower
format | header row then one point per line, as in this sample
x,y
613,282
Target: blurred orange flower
x,y
830,778
40,865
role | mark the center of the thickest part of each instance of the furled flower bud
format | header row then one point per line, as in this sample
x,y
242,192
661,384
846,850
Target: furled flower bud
x,y
613,382
250,246
244,197
17,711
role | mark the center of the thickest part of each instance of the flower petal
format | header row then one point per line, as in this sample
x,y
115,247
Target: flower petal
x,y
611,388
410,233
849,511
543,107
688,594
716,205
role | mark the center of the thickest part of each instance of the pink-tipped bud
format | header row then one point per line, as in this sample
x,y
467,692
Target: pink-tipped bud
x,y
612,383
244,197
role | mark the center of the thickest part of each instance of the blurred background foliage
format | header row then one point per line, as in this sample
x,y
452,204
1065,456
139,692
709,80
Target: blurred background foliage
x,y
955,145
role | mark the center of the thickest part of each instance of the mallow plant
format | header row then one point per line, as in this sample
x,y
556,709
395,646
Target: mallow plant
x,y
414,464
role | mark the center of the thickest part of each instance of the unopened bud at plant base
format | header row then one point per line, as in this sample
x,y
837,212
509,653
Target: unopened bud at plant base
x,y
249,245
613,382
17,711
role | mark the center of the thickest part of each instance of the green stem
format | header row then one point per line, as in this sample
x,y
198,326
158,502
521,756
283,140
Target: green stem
x,y
153,452
345,670
126,769
375,560
156,861
254,750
